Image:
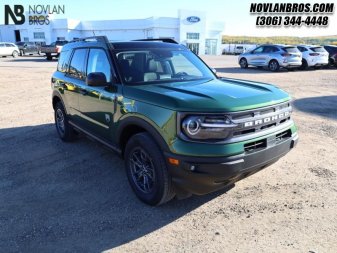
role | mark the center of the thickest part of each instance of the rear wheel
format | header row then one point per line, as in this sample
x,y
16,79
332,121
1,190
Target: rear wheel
x,y
147,171
49,57
243,63
273,66
64,129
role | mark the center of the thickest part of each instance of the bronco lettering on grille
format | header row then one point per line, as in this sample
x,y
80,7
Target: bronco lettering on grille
x,y
266,120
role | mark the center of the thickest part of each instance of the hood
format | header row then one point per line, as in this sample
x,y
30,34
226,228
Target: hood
x,y
217,95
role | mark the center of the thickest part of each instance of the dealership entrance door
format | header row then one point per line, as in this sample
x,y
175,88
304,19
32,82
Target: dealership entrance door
x,y
210,47
193,47
17,35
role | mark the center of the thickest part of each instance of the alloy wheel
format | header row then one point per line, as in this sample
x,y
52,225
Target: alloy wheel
x,y
60,121
142,170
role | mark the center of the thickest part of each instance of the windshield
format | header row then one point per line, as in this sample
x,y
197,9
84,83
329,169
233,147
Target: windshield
x,y
20,43
161,65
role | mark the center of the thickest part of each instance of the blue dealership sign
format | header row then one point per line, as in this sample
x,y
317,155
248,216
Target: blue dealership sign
x,y
193,19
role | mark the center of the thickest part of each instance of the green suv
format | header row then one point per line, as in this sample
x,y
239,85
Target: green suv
x,y
180,129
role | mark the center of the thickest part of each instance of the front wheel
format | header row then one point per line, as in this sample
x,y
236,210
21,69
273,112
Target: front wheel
x,y
147,171
243,63
15,54
273,66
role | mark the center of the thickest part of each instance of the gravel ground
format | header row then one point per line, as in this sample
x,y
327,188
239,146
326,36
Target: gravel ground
x,y
58,197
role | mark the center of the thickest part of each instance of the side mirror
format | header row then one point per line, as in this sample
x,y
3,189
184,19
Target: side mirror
x,y
96,79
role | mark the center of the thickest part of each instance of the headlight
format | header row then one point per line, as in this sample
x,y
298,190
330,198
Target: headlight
x,y
205,127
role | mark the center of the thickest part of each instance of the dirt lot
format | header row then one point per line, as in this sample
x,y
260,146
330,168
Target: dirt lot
x,y
57,197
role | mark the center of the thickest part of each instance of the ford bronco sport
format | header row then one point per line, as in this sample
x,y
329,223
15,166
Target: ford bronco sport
x,y
180,129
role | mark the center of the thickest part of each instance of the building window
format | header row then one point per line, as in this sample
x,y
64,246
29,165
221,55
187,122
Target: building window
x,y
25,39
61,38
39,35
192,36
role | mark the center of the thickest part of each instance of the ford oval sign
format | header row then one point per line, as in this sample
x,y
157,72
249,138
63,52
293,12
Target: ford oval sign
x,y
193,19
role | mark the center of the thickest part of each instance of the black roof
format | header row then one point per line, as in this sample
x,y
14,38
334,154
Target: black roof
x,y
145,44
124,44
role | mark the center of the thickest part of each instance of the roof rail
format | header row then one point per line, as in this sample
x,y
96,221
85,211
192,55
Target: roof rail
x,y
103,39
167,40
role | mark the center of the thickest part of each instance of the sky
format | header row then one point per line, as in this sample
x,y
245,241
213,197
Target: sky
x,y
234,13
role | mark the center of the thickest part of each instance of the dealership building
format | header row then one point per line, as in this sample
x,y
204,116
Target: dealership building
x,y
190,28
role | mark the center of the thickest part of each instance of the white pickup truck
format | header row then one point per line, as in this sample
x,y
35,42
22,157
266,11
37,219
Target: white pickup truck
x,y
54,49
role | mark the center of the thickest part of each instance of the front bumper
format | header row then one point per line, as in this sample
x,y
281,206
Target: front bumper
x,y
201,175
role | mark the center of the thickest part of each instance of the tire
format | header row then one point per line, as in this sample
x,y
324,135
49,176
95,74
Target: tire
x,y
64,129
15,54
304,65
243,63
147,171
49,57
331,63
22,53
273,66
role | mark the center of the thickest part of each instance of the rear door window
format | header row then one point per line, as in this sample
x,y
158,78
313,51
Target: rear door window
x,y
291,49
270,49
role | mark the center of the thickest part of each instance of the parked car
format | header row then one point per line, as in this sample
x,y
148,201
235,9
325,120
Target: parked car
x,y
239,50
54,49
272,56
332,50
8,49
313,56
179,128
28,48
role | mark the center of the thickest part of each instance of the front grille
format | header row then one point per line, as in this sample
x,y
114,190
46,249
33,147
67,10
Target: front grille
x,y
257,120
